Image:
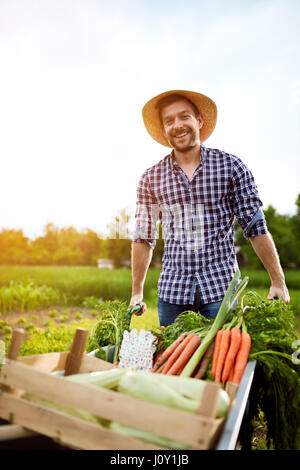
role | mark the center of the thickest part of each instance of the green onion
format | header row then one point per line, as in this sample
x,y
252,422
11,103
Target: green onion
x,y
226,306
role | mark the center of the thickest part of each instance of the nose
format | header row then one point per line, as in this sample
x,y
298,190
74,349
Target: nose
x,y
177,123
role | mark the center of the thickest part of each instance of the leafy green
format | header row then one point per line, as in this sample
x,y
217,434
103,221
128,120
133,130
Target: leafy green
x,y
109,330
276,392
276,386
270,323
186,321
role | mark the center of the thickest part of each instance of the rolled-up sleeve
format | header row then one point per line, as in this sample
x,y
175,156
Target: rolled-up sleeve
x,y
246,203
146,214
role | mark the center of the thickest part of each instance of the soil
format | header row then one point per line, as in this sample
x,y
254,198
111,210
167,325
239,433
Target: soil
x,y
40,317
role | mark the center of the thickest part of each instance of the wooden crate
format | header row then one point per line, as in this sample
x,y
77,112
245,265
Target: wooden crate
x,y
36,375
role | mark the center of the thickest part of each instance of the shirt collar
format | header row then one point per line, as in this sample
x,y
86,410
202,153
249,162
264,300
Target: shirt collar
x,y
174,165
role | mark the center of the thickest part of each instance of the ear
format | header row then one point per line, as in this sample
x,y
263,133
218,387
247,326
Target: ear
x,y
200,120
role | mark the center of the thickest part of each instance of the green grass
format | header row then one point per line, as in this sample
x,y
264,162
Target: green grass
x,y
84,284
92,281
53,338
260,278
79,282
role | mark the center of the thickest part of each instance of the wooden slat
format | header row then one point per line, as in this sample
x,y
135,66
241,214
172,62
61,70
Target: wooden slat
x,y
208,406
13,352
67,430
161,420
16,340
14,431
56,361
94,364
74,359
231,389
49,362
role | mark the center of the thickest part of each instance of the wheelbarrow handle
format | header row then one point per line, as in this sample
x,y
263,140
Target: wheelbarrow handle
x,y
134,309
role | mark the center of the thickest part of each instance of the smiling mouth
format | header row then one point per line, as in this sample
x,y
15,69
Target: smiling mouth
x,y
181,135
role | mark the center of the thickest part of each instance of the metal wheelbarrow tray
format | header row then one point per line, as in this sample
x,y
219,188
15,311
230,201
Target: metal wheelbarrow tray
x,y
39,375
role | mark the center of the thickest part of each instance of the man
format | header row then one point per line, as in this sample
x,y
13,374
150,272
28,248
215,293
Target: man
x,y
196,192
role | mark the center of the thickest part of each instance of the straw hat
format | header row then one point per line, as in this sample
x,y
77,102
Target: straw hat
x,y
206,106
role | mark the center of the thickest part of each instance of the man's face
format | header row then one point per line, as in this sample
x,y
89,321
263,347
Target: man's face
x,y
181,126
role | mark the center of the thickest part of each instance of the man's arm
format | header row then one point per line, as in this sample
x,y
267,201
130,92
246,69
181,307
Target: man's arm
x,y
141,255
265,249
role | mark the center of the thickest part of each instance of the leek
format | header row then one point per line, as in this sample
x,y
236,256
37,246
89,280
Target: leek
x,y
78,413
108,379
149,388
193,389
226,306
147,436
183,393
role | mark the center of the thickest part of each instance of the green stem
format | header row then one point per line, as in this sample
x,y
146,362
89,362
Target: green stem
x,y
244,328
240,322
239,289
277,353
107,352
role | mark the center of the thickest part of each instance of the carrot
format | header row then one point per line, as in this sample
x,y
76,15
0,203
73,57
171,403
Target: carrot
x,y
185,355
167,353
160,369
205,361
224,346
235,340
195,370
180,370
230,378
158,356
242,357
171,360
216,352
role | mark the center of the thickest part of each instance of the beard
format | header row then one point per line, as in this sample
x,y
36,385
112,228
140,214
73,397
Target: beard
x,y
186,143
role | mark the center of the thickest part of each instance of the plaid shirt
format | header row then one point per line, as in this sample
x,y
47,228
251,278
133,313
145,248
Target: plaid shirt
x,y
197,219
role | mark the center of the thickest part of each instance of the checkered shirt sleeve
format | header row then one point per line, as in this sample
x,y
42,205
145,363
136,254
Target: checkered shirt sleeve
x,y
146,214
246,202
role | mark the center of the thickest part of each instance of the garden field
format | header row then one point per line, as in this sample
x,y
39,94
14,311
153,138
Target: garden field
x,y
51,302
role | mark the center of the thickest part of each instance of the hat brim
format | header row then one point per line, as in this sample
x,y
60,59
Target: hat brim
x,y
205,105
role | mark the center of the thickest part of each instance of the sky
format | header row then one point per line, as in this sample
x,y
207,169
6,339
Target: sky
x,y
74,76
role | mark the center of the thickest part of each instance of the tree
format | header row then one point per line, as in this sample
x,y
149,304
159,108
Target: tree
x,y
117,246
49,241
295,224
281,230
285,231
13,246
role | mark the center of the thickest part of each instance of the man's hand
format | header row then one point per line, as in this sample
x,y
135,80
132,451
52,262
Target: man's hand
x,y
280,292
137,299
265,249
141,255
